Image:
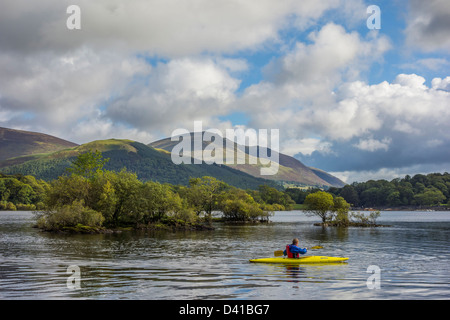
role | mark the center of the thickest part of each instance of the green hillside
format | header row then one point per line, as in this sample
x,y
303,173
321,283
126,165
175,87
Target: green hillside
x,y
145,161
47,157
290,169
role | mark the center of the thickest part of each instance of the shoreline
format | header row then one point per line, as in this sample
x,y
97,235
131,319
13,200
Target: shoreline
x,y
403,208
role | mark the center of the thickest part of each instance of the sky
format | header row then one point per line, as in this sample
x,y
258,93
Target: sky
x,y
358,102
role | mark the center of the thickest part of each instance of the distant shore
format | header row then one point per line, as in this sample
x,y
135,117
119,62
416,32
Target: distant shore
x,y
403,208
298,206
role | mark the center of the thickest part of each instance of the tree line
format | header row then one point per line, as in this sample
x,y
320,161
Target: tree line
x,y
417,191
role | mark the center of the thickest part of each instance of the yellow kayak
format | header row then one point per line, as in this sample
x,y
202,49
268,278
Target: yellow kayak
x,y
301,260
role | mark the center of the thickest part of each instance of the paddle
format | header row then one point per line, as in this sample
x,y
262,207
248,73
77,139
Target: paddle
x,y
279,253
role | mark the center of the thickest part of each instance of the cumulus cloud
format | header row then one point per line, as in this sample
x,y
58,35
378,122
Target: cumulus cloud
x,y
56,91
412,127
305,146
176,93
301,89
441,84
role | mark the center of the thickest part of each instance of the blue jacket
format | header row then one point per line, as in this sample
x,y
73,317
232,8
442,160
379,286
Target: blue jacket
x,y
294,249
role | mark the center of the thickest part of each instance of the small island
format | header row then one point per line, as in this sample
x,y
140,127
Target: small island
x,y
89,199
334,212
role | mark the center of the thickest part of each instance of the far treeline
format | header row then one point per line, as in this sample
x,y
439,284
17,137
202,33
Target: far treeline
x,y
431,190
91,199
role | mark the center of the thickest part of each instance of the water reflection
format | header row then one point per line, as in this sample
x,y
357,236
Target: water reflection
x,y
296,273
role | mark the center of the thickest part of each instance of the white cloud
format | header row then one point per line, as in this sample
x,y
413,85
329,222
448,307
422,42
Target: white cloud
x,y
410,81
406,100
366,175
401,124
333,55
373,144
175,93
405,127
306,146
99,128
388,173
302,91
56,91
441,84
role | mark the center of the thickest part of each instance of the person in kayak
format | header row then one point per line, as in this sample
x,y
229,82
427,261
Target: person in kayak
x,y
293,250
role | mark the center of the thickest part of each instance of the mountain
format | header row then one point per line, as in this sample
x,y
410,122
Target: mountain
x,y
290,170
145,161
47,157
16,143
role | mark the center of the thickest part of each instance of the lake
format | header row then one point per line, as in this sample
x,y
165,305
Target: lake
x,y
410,259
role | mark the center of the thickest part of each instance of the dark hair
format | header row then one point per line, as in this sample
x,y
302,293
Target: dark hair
x,y
294,241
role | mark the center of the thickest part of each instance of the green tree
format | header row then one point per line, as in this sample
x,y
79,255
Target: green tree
x,y
430,197
88,164
271,195
67,189
321,204
126,187
203,193
340,209
238,205
157,201
75,215
339,204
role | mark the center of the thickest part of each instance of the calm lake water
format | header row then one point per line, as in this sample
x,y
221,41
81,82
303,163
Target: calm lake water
x,y
413,256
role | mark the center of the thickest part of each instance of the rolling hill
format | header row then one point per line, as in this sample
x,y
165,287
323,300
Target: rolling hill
x,y
145,161
47,157
290,169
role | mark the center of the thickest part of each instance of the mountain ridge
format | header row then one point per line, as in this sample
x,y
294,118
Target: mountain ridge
x,y
147,162
150,162
290,169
